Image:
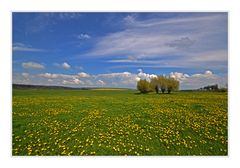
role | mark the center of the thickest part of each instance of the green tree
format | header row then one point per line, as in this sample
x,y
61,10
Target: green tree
x,y
143,86
162,81
172,84
154,84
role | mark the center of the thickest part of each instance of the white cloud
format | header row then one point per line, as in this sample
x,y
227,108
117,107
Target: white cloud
x,y
49,75
83,75
178,76
72,82
123,79
208,72
212,56
100,83
156,22
133,42
83,36
216,60
32,65
114,75
142,75
24,47
120,80
205,74
25,75
54,76
89,83
64,65
196,81
193,41
159,37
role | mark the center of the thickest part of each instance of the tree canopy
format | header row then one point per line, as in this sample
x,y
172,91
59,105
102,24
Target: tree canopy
x,y
159,83
143,86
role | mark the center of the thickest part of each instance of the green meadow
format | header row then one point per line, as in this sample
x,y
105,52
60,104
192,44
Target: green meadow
x,y
118,122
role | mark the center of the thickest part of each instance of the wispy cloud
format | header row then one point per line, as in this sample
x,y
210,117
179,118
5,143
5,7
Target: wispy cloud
x,y
66,15
32,65
176,21
26,48
41,21
182,43
217,60
176,41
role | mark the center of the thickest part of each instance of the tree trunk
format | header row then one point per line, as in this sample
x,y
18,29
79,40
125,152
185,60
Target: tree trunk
x,y
156,89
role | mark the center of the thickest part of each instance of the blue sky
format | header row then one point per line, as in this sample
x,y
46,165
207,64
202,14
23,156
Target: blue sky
x,y
118,49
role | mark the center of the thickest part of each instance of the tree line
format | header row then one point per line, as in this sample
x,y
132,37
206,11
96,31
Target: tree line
x,y
158,84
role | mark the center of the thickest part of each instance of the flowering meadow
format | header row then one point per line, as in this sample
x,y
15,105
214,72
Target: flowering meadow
x,y
52,122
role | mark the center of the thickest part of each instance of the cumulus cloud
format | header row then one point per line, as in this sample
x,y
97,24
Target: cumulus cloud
x,y
198,80
124,79
178,76
73,82
54,76
32,65
49,75
64,65
142,75
120,79
100,83
83,75
89,83
208,72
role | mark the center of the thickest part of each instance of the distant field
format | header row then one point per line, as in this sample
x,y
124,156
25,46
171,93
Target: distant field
x,y
118,122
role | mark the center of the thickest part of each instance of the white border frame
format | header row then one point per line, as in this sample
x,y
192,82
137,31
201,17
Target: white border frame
x,y
9,6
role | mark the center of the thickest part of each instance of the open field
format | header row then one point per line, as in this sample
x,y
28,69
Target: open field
x,y
118,122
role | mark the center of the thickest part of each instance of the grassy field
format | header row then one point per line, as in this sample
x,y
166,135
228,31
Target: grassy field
x,y
118,122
